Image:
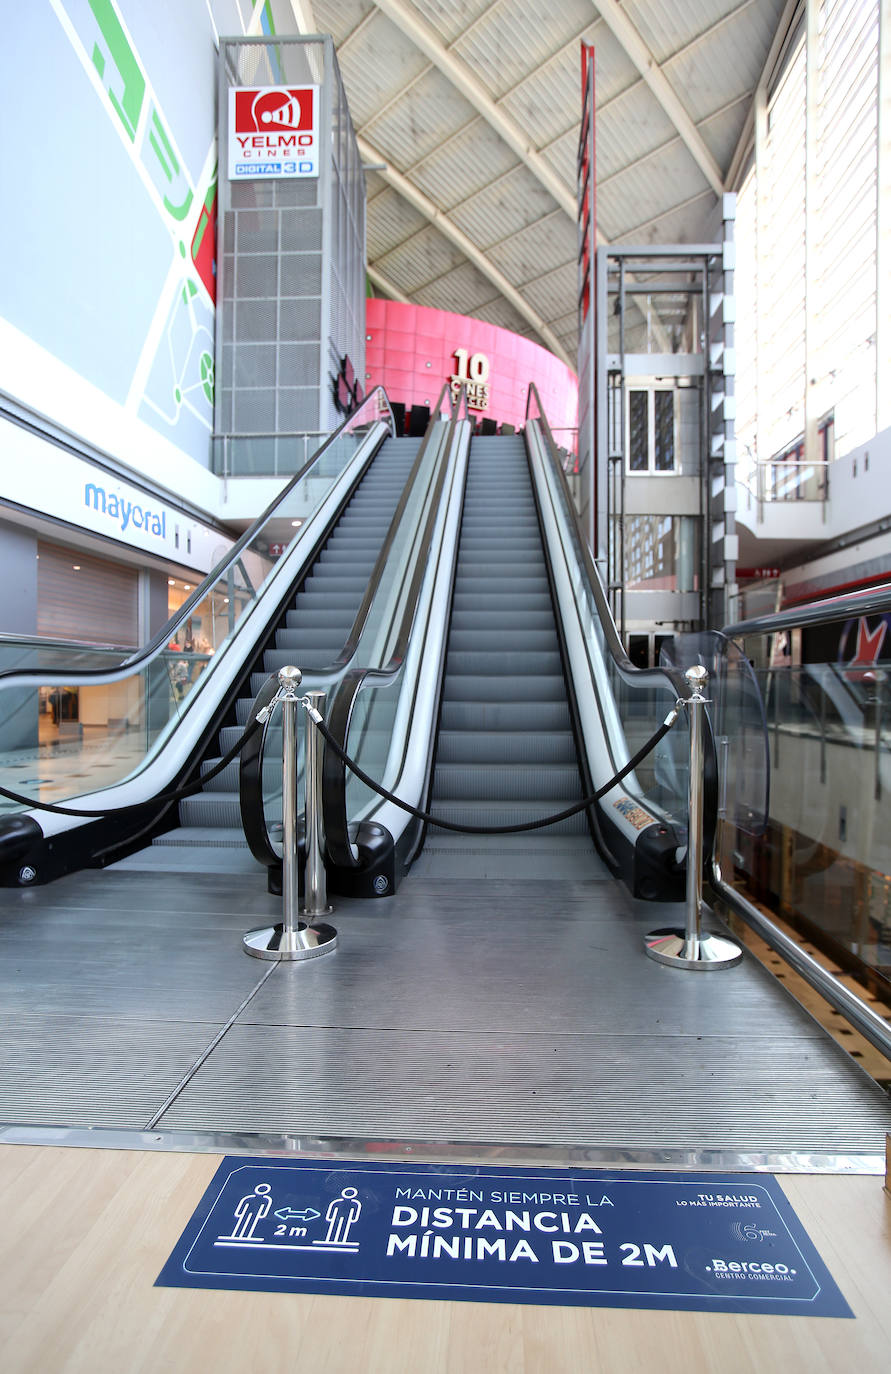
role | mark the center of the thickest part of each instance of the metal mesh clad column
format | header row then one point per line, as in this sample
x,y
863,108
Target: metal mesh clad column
x,y
290,285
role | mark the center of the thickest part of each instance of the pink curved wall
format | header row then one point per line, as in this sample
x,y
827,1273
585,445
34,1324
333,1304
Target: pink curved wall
x,y
410,350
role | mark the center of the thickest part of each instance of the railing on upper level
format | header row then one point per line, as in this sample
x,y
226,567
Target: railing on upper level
x,y
783,481
264,455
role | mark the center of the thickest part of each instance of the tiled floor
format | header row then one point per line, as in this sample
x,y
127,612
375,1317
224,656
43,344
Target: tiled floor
x,y
65,763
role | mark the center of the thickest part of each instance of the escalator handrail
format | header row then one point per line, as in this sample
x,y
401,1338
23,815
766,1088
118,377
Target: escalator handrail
x,y
17,677
592,572
336,821
867,601
628,671
610,632
377,572
250,778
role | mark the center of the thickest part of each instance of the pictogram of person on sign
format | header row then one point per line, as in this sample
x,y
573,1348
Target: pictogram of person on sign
x,y
342,1212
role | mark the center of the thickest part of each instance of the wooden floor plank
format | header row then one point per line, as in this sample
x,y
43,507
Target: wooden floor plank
x,y
87,1231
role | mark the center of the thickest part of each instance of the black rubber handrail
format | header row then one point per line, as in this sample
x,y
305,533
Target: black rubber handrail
x,y
612,639
40,677
250,782
592,572
340,713
377,571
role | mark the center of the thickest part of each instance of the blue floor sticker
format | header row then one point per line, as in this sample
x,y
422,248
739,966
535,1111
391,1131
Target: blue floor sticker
x,y
683,1242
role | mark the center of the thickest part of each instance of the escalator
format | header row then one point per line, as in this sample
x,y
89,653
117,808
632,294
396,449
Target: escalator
x,y
506,753
525,718
312,634
328,520
473,676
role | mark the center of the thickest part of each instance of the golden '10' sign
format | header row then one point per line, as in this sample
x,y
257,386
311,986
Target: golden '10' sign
x,y
472,372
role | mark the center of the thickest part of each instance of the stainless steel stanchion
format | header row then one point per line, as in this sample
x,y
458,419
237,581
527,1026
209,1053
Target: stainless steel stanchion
x,y
690,948
292,938
315,889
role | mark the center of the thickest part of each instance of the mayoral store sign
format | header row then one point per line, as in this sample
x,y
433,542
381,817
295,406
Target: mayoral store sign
x,y
273,132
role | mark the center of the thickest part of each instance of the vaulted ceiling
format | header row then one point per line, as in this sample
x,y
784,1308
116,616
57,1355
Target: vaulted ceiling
x,y
468,115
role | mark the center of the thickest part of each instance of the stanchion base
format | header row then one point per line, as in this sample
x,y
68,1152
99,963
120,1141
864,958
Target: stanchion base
x,y
670,947
307,942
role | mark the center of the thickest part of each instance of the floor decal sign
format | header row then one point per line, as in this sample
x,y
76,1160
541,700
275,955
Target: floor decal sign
x,y
683,1242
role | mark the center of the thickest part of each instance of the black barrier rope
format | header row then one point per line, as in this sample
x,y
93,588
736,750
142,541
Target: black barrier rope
x,y
164,798
160,800
490,829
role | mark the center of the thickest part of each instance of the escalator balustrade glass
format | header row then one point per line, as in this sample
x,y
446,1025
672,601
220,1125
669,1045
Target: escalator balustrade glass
x,y
644,819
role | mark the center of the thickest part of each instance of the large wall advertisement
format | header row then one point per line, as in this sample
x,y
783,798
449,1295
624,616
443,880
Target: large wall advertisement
x,y
108,238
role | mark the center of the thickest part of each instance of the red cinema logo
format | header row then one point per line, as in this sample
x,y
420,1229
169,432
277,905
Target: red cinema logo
x,y
272,132
277,109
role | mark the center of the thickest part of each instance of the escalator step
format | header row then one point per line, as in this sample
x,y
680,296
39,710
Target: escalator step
x,y
313,637
547,687
509,813
210,808
480,621
512,601
528,582
520,660
479,640
318,599
508,782
529,747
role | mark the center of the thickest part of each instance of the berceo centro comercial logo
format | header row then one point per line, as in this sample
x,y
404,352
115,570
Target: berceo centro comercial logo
x,y
273,132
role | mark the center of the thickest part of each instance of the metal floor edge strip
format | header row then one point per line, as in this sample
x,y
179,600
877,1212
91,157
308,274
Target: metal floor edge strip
x,y
583,1157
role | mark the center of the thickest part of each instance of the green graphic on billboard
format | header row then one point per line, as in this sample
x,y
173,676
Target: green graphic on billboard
x,y
172,386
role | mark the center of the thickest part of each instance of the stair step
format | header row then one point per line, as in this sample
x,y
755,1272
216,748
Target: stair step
x,y
480,621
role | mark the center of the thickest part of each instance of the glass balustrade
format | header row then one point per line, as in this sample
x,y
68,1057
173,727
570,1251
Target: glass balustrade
x,y
824,860
373,680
